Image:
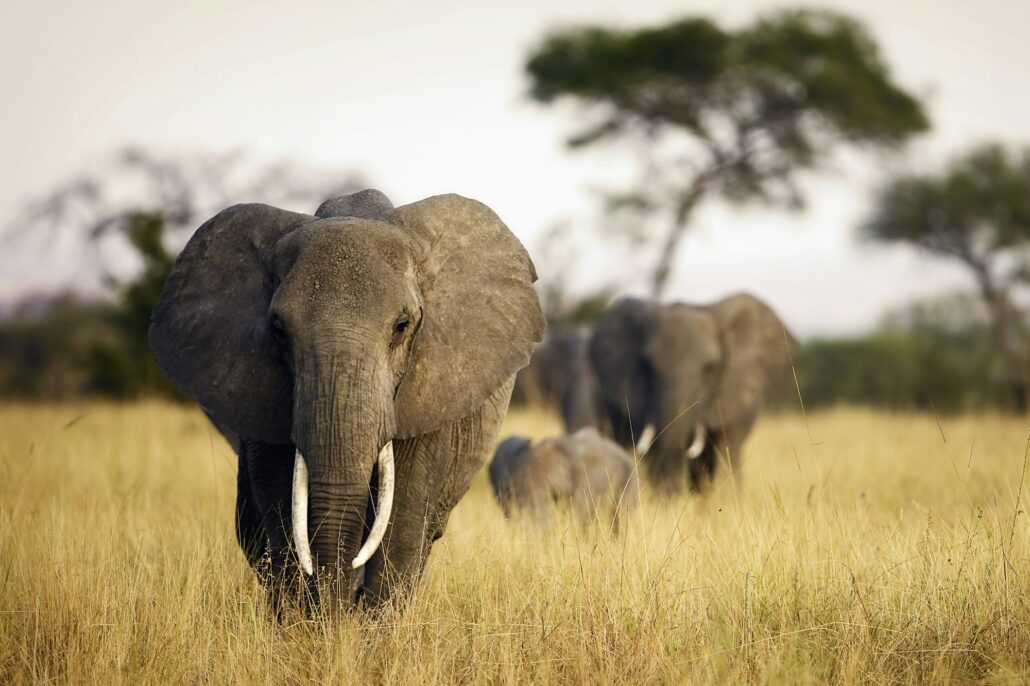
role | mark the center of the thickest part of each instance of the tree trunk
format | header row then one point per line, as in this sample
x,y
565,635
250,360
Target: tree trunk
x,y
684,207
1004,321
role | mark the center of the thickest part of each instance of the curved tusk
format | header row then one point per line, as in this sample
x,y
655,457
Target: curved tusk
x,y
698,446
383,507
300,514
646,437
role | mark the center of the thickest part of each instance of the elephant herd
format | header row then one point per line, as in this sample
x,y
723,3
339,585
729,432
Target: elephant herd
x,y
360,361
676,386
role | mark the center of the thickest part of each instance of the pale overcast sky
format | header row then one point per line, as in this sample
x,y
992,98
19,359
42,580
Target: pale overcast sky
x,y
428,97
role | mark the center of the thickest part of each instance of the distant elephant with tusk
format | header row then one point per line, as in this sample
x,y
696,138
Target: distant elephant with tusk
x,y
584,469
360,360
683,384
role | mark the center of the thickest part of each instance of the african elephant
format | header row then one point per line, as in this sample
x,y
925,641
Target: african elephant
x,y
585,469
559,377
361,361
692,378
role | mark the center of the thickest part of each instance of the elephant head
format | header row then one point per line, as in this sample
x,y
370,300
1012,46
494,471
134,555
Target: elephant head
x,y
339,332
690,372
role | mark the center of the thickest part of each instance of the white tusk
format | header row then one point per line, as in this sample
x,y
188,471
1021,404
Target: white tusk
x,y
646,437
383,507
698,446
300,514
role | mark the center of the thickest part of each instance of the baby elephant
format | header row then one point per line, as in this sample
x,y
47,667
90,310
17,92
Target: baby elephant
x,y
585,469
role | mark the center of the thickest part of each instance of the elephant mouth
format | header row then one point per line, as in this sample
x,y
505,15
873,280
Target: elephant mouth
x,y
383,508
694,450
697,446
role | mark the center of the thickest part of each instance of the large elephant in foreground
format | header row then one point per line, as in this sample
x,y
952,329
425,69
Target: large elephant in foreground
x,y
685,383
361,361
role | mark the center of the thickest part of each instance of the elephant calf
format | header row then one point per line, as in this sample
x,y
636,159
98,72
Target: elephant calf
x,y
585,469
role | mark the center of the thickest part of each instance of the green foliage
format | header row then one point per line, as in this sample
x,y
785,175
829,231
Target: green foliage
x,y
931,356
46,355
977,206
138,298
608,65
975,211
76,348
786,78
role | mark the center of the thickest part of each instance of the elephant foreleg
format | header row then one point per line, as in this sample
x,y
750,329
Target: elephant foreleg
x,y
702,468
727,453
250,531
433,472
270,469
734,440
408,537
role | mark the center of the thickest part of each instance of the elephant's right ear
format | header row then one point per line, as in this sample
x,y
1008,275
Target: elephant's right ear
x,y
209,331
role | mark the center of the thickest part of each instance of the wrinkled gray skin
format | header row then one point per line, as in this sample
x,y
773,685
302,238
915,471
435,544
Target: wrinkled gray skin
x,y
559,377
589,472
677,367
334,334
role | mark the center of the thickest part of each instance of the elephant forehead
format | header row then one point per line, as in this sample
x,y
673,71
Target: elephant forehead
x,y
688,331
347,261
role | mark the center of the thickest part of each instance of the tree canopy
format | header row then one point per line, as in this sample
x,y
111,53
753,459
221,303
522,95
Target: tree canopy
x,y
755,105
977,211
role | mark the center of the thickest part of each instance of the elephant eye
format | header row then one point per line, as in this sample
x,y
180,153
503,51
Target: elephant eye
x,y
401,325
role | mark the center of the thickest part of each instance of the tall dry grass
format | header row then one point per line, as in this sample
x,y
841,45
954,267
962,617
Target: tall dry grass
x,y
861,547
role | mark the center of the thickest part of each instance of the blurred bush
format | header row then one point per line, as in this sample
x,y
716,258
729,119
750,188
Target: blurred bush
x,y
937,354
67,346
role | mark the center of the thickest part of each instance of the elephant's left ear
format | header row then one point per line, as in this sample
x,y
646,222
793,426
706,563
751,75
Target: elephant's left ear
x,y
757,350
481,314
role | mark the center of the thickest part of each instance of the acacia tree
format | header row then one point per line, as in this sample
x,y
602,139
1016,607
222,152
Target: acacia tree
x,y
736,114
975,211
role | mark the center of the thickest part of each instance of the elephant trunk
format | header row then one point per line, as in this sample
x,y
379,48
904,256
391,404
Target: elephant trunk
x,y
681,437
341,506
384,505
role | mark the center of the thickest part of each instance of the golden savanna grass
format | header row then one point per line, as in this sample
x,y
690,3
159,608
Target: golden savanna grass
x,y
861,547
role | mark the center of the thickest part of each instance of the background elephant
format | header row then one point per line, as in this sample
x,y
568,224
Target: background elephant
x,y
585,469
692,377
362,359
559,377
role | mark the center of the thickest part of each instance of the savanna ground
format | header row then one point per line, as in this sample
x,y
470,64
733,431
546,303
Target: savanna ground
x,y
861,547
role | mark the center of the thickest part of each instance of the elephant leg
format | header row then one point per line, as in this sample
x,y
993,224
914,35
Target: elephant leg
x,y
250,530
408,537
702,468
666,467
623,430
433,472
270,470
731,444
